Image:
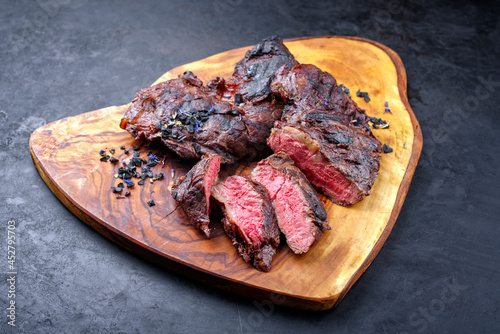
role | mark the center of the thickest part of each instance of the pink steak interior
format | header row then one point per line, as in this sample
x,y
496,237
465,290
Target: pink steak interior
x,y
305,152
291,210
243,206
211,176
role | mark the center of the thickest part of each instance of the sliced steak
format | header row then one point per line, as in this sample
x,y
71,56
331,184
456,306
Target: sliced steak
x,y
325,133
231,118
249,219
301,215
192,191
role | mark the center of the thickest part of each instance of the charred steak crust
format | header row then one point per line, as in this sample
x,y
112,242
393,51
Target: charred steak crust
x,y
255,72
192,191
231,118
325,133
300,214
249,219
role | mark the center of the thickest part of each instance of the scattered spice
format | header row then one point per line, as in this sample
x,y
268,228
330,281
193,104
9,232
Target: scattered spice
x,y
153,157
118,188
386,149
135,161
192,120
128,170
151,203
379,123
346,90
129,182
146,172
237,98
151,163
136,148
364,95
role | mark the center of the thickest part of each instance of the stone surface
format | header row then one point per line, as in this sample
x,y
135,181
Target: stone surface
x,y
438,271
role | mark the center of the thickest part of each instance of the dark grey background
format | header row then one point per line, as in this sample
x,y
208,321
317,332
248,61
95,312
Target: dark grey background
x,y
439,269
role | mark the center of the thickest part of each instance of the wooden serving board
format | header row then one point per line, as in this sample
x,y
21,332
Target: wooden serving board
x,y
66,153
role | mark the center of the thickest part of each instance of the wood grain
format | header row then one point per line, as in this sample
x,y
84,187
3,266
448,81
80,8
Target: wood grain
x,y
65,153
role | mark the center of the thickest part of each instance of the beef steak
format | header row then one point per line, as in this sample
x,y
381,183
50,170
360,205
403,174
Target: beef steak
x,y
300,214
231,118
249,219
192,191
325,133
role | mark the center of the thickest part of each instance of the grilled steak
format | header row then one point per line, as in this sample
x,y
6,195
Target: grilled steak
x,y
231,118
301,215
253,75
248,219
192,191
325,133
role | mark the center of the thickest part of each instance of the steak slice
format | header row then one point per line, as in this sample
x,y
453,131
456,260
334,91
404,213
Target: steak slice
x,y
325,133
192,191
301,215
231,118
248,219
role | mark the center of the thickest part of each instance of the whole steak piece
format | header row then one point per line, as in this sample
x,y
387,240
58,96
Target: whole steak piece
x,y
192,191
325,133
231,118
300,214
249,219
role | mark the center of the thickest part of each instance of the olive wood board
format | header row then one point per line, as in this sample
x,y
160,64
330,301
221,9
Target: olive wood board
x,y
66,154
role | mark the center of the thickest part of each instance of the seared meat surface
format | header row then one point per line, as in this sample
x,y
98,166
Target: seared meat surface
x,y
192,191
249,219
231,118
325,133
300,214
